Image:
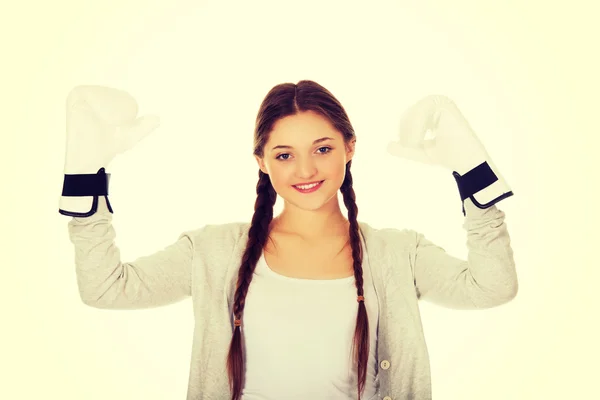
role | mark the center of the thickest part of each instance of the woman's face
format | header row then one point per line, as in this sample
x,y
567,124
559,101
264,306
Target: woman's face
x,y
303,149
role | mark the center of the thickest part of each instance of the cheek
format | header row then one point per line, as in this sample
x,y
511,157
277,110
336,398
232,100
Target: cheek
x,y
280,174
333,168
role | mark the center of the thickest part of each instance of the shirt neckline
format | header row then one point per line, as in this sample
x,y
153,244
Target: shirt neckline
x,y
262,262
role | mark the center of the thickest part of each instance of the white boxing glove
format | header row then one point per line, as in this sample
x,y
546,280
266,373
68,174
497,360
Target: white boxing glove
x,y
101,122
453,145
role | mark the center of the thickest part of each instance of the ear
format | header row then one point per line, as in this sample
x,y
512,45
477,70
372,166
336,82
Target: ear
x,y
261,164
350,147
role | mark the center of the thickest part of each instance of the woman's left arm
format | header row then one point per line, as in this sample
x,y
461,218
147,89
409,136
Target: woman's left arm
x,y
486,279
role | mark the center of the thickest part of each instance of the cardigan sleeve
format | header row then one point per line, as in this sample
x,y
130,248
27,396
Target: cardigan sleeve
x,y
486,279
106,282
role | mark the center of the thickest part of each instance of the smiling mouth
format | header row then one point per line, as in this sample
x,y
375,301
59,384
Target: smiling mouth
x,y
310,187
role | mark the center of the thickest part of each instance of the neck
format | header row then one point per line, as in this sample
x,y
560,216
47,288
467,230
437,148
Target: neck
x,y
325,222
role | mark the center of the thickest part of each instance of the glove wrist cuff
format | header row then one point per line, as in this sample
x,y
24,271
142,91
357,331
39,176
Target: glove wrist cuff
x,y
81,193
86,184
478,179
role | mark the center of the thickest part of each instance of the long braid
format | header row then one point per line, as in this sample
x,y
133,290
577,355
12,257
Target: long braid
x,y
257,237
360,344
284,100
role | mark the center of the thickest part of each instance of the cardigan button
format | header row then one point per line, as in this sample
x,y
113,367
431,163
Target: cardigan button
x,y
387,398
385,364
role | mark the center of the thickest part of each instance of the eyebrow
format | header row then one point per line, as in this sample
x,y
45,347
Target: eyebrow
x,y
282,146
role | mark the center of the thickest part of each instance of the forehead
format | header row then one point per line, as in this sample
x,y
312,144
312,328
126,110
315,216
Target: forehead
x,y
300,128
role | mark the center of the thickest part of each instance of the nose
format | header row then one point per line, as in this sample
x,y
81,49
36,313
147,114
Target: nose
x,y
306,168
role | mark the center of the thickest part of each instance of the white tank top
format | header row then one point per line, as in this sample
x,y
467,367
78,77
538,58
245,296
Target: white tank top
x,y
298,335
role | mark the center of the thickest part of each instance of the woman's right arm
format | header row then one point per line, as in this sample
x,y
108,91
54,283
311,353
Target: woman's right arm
x,y
106,282
102,122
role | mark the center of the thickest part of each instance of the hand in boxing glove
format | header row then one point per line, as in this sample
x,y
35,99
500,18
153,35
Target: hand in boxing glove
x,y
454,145
101,123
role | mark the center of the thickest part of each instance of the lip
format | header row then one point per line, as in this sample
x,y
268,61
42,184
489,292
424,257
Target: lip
x,y
306,183
313,189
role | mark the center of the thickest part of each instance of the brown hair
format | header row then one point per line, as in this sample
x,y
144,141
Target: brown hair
x,y
283,100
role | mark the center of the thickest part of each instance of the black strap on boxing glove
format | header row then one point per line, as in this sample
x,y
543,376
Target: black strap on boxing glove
x,y
475,180
86,185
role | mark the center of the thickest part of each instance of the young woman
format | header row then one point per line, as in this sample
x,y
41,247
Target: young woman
x,y
307,304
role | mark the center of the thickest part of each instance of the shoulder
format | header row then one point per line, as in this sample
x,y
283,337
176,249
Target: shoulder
x,y
217,235
399,238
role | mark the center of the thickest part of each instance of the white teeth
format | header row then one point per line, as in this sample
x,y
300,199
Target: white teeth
x,y
305,187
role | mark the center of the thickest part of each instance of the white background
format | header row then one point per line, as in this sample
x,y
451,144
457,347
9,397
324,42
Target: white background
x,y
524,74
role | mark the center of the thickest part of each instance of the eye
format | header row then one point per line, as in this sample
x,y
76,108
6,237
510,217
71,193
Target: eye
x,y
321,150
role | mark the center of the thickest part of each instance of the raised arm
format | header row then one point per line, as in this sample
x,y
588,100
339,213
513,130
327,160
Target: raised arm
x,y
486,279
106,282
101,123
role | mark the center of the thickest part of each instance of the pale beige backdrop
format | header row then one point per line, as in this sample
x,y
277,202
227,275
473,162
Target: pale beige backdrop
x,y
523,72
